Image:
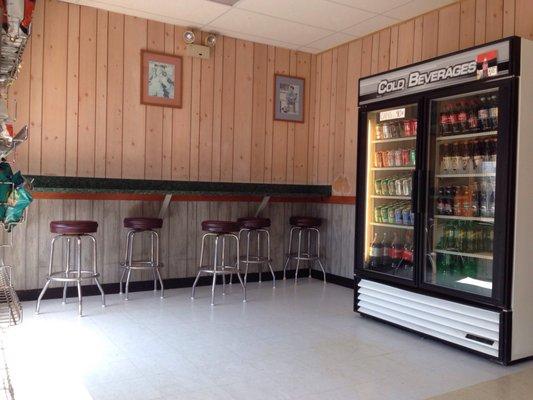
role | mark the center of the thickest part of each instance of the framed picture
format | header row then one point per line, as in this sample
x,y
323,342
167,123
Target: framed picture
x,y
289,98
161,78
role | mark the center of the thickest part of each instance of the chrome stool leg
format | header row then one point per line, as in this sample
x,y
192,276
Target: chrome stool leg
x,y
223,263
288,253
128,267
65,284
157,248
126,260
269,259
238,268
247,256
201,264
78,265
299,254
260,265
214,272
96,280
48,280
318,253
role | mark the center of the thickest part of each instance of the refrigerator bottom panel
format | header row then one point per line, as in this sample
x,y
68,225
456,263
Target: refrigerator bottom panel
x,y
466,326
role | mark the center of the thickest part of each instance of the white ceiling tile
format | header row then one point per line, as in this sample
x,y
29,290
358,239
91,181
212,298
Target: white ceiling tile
x,y
370,25
379,6
331,41
416,7
320,13
246,22
254,38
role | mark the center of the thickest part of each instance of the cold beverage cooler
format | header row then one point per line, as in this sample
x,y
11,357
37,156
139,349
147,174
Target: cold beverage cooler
x,y
445,199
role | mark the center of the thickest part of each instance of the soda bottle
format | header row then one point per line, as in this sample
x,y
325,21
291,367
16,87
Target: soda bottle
x,y
473,122
491,195
386,251
456,158
478,156
454,119
467,201
466,161
483,114
396,252
462,117
449,192
408,255
446,160
471,239
474,205
441,201
460,241
493,154
458,201
449,236
376,253
484,200
493,112
445,120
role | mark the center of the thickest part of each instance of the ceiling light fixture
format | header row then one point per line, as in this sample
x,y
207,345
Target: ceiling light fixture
x,y
188,37
210,40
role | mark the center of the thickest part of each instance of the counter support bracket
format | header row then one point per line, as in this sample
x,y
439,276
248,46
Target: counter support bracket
x,y
262,205
164,206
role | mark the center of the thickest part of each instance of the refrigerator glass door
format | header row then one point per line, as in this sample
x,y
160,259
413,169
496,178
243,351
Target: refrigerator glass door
x,y
390,220
459,225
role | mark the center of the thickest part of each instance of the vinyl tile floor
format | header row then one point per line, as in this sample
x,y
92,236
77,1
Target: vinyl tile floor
x,y
293,342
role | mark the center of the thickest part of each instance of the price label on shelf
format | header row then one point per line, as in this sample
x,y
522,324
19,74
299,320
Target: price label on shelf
x,y
392,114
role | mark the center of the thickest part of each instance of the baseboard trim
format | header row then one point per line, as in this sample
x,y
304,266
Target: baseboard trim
x,y
176,283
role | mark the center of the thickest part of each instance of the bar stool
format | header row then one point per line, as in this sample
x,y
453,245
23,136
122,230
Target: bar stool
x,y
255,226
72,231
304,226
220,231
137,226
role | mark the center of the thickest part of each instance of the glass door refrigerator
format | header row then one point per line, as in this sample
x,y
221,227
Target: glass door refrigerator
x,y
445,199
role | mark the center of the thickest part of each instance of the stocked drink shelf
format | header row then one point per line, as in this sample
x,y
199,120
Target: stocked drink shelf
x,y
400,139
375,196
461,218
408,168
479,175
483,256
409,227
467,136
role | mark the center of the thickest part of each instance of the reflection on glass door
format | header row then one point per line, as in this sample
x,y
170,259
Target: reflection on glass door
x,y
389,232
462,164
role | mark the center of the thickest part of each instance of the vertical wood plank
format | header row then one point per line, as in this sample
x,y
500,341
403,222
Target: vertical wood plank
x,y
257,167
449,27
289,175
340,112
228,109
207,81
508,17
101,94
115,78
384,50
133,145
393,60
166,162
374,57
36,89
325,99
54,88
181,117
481,21
430,35
153,130
494,23
217,108
71,147
406,36
467,31
366,56
244,72
302,131
524,16
418,38
87,92
269,122
313,81
318,127
195,118
279,137
332,115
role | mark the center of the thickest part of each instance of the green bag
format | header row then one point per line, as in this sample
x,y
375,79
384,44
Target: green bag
x,y
19,200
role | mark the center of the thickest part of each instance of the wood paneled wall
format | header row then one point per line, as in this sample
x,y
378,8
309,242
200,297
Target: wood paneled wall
x,y
79,91
451,28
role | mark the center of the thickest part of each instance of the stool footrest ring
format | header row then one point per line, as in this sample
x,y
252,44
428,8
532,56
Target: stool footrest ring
x,y
63,276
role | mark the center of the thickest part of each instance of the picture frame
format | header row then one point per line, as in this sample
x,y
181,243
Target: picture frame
x,y
161,79
289,98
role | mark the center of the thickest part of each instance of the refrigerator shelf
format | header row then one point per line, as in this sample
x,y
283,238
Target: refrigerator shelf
x,y
400,139
408,227
483,256
408,168
375,196
481,175
461,218
467,136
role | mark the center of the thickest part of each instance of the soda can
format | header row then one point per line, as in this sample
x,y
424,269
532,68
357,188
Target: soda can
x,y
414,127
407,127
398,186
384,214
390,158
391,187
405,157
398,158
398,216
384,187
379,131
385,129
377,187
399,129
391,216
406,216
377,214
378,159
406,186
412,156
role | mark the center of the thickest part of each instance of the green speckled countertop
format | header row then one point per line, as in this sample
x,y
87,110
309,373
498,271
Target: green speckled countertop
x,y
60,184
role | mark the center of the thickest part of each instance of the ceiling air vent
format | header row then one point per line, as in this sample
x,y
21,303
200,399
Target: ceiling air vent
x,y
225,2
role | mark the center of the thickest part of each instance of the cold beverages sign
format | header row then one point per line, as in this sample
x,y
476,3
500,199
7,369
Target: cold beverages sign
x,y
479,63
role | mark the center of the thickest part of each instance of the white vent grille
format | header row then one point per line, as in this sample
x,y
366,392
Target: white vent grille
x,y
471,327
